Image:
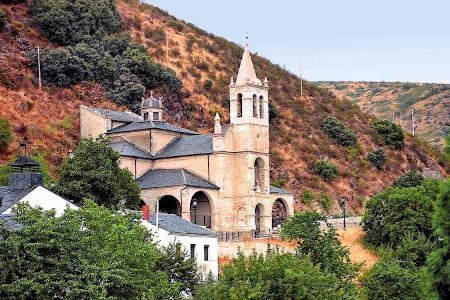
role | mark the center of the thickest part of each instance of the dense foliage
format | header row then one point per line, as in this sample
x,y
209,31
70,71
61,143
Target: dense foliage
x,y
276,276
410,179
447,147
321,246
389,133
439,260
397,212
377,158
120,65
326,169
2,19
68,22
6,135
338,131
88,253
93,172
389,280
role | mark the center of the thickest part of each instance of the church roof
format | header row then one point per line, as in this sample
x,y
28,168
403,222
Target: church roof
x,y
119,116
179,226
137,126
158,178
9,197
247,72
277,190
187,146
24,161
125,148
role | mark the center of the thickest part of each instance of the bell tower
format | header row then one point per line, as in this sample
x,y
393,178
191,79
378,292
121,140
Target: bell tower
x,y
249,103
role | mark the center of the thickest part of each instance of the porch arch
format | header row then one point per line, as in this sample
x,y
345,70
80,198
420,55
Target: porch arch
x,y
201,209
279,212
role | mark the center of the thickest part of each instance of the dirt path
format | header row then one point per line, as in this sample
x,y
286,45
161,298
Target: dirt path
x,y
351,237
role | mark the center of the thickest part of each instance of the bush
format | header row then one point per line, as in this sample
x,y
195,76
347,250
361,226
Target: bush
x,y
2,19
410,179
389,133
338,131
69,22
395,213
377,158
6,135
326,170
388,280
207,85
307,196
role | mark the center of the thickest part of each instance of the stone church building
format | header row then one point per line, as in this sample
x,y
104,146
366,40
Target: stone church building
x,y
218,180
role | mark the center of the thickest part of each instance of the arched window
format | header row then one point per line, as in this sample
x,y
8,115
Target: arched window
x,y
239,105
258,175
255,106
261,107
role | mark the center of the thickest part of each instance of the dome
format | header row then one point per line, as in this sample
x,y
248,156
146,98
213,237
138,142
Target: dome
x,y
151,102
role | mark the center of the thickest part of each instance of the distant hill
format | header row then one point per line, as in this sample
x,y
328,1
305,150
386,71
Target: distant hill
x,y
205,64
430,101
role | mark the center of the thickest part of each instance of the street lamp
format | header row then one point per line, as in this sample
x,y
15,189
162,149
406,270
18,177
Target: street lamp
x,y
194,207
342,204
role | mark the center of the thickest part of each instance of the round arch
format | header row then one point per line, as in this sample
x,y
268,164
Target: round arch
x,y
259,208
279,212
170,205
201,209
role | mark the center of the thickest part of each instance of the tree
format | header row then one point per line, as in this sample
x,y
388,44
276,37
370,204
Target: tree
x,y
6,135
323,247
276,276
439,260
2,19
338,131
410,179
325,169
397,212
69,22
180,267
447,147
377,158
388,280
389,133
88,253
93,172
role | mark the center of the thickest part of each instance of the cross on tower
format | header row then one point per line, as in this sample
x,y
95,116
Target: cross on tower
x,y
24,144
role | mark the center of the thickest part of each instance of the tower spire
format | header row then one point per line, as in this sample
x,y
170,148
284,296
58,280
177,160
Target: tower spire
x,y
247,72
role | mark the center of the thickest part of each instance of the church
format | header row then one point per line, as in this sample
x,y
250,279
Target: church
x,y
218,180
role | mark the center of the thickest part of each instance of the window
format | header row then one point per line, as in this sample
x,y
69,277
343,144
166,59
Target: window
x,y
239,105
178,249
192,250
145,116
155,116
206,253
261,108
255,106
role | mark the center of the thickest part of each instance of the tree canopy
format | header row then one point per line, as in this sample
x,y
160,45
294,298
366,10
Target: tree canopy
x,y
88,253
93,172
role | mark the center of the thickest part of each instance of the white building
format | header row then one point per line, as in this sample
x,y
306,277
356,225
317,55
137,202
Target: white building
x,y
198,241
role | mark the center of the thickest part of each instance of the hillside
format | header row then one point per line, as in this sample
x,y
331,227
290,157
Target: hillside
x,y
205,64
430,101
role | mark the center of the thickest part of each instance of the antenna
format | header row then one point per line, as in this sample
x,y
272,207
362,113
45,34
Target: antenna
x,y
39,67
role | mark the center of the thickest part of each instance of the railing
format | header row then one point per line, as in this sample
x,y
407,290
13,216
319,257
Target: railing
x,y
239,236
202,220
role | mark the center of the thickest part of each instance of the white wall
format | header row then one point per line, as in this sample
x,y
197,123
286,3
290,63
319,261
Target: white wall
x,y
45,199
164,238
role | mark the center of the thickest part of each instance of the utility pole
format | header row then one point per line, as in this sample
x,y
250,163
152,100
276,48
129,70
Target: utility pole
x,y
393,117
401,118
167,50
301,81
412,122
39,67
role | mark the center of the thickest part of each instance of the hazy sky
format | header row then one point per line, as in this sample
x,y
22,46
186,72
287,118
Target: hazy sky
x,y
391,40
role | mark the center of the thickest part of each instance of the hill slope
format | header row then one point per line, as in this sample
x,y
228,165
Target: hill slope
x,y
205,63
431,103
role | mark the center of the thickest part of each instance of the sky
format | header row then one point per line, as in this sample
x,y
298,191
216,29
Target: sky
x,y
395,40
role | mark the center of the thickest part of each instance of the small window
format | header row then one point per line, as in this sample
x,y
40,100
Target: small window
x,y
192,250
155,116
145,116
239,105
206,253
178,249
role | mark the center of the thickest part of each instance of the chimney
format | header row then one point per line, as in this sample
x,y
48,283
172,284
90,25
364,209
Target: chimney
x,y
217,126
145,213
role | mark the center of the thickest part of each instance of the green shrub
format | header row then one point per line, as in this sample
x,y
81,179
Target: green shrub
x,y
377,158
326,202
410,179
6,135
389,133
338,131
273,112
2,19
69,22
207,85
307,196
325,169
